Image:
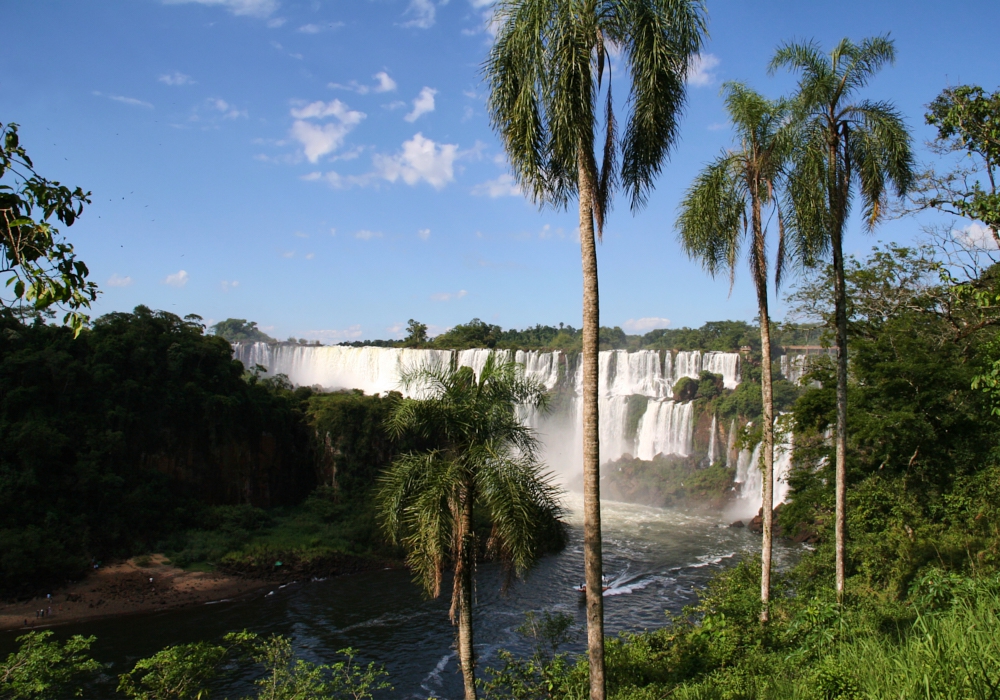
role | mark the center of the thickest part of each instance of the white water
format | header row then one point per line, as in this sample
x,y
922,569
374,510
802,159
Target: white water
x,y
665,427
749,473
711,441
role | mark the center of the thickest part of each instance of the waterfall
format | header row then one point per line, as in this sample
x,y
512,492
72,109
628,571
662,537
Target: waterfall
x,y
793,367
711,442
730,444
725,363
665,427
749,472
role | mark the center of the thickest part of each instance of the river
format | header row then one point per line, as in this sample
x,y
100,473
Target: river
x,y
656,560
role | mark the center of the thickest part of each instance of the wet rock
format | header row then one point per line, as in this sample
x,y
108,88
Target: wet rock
x,y
738,523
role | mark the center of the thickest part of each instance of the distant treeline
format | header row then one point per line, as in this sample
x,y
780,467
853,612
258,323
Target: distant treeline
x,y
725,336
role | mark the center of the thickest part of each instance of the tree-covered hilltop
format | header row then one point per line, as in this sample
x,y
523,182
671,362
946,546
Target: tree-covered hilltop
x,y
723,336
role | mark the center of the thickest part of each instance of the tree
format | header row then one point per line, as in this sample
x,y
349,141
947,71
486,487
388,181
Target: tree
x,y
968,123
481,459
44,271
844,148
416,334
723,211
545,74
239,330
42,668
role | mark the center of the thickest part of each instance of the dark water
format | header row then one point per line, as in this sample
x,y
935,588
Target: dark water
x,y
655,558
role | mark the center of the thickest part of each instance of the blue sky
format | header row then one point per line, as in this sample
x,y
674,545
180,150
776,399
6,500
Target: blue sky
x,y
327,168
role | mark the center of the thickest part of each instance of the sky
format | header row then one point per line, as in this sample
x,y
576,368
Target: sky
x,y
327,169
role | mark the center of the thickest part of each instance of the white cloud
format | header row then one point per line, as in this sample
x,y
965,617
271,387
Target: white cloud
x,y
299,234
333,232
349,333
178,279
975,235
309,177
318,140
276,22
422,104
421,159
396,329
288,254
448,296
176,78
479,4
245,8
700,72
334,108
117,280
503,186
310,256
366,235
644,325
228,110
385,83
227,285
424,234
132,101
317,28
423,12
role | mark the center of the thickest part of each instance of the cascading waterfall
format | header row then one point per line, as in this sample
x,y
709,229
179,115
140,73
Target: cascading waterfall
x,y
711,441
665,426
730,444
749,473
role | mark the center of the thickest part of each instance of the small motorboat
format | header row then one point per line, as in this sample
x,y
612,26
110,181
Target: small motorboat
x,y
582,588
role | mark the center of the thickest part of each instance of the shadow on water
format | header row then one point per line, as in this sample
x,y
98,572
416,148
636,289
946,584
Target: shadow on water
x,y
655,559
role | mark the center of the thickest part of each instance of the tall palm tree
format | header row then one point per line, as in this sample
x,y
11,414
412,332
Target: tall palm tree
x,y
846,147
483,459
723,211
546,73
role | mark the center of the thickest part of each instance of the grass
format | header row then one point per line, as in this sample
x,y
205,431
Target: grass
x,y
244,537
941,643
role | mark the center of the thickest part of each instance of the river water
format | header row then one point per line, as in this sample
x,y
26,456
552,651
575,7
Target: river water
x,y
655,558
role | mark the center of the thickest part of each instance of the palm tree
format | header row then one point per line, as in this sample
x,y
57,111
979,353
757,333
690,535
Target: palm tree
x,y
722,212
483,460
545,73
845,147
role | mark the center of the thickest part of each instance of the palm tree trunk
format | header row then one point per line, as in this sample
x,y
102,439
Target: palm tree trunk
x,y
467,562
592,557
767,490
840,313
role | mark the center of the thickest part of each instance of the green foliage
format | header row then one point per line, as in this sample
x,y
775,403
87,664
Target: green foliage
x,y
725,336
667,481
416,334
43,669
181,672
110,444
192,671
43,268
239,330
478,456
968,123
474,334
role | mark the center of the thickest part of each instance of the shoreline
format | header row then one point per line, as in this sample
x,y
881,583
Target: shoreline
x,y
126,588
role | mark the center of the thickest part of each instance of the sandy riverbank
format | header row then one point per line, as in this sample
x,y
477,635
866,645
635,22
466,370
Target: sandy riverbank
x,y
126,588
